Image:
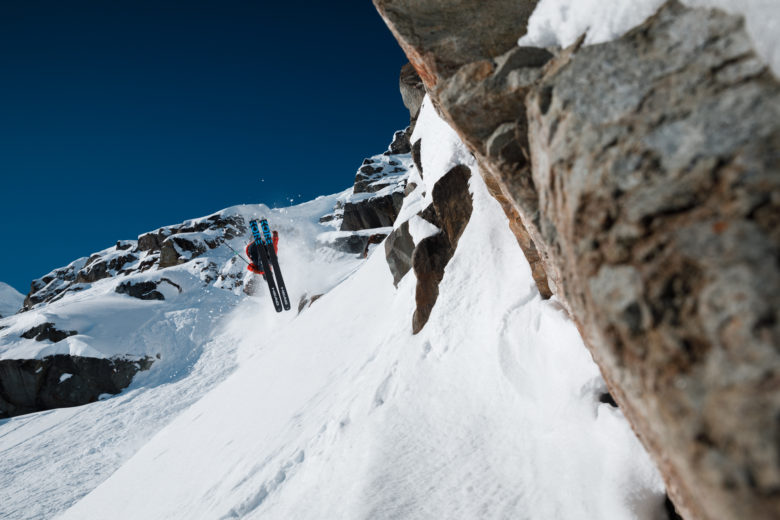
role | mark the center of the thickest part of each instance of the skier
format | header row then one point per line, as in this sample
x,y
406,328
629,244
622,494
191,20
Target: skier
x,y
254,254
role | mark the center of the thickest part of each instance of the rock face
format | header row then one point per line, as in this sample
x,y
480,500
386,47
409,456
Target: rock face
x,y
398,251
412,92
374,212
31,385
659,201
366,214
640,177
28,385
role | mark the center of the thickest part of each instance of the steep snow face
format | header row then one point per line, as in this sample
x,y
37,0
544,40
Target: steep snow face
x,y
492,411
561,22
10,300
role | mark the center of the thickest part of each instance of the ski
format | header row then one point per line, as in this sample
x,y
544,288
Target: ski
x,y
275,263
266,266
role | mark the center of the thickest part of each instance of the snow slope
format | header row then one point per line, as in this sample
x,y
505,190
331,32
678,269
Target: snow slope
x,y
10,300
51,459
492,411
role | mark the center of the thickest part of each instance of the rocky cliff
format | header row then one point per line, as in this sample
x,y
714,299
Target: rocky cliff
x,y
49,359
640,177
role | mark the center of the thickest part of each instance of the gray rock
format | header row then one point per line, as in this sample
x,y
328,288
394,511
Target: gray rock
x,y
161,248
659,197
372,213
141,290
400,143
398,251
356,243
412,91
47,332
31,385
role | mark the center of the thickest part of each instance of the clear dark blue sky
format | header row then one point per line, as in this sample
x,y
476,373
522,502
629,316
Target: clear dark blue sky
x,y
120,116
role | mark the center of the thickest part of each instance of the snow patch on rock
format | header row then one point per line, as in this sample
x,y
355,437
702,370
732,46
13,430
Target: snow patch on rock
x,y
560,22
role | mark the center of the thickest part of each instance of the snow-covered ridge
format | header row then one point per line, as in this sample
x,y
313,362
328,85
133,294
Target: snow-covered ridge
x,y
176,269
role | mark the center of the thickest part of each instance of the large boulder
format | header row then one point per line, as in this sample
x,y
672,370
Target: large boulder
x,y
31,385
429,259
452,202
399,247
640,178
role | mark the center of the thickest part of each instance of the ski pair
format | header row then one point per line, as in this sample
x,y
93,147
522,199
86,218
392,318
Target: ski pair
x,y
270,264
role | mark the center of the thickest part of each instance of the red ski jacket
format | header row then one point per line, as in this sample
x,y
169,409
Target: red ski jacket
x,y
253,254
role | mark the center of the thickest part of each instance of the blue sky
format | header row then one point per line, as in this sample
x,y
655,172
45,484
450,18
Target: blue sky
x,y
117,117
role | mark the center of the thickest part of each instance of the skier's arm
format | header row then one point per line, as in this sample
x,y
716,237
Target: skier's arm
x,y
252,267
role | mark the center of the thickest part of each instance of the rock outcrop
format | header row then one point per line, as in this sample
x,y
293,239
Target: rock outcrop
x,y
28,385
399,247
373,212
146,290
366,215
31,385
640,177
412,93
164,247
47,332
450,211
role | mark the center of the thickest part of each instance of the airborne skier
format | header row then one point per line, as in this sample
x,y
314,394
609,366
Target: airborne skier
x,y
253,253
265,262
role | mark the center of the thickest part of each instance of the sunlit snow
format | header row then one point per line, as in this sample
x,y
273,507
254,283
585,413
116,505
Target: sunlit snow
x,y
491,411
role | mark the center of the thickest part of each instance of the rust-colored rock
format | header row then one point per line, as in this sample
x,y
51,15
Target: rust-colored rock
x,y
438,36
